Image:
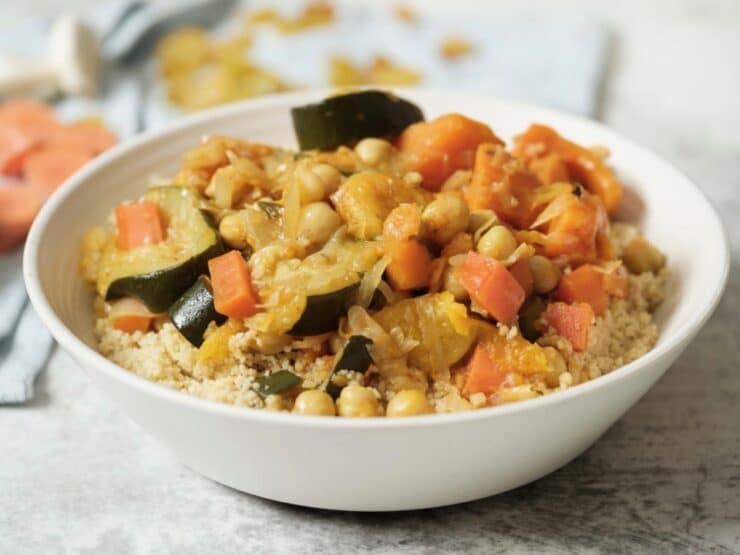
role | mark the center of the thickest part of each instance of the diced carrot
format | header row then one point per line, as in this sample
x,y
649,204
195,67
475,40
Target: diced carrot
x,y
572,322
411,264
138,224
84,135
550,169
616,283
47,167
502,184
18,207
584,285
491,286
583,165
14,148
131,323
522,273
404,222
129,315
233,293
438,148
483,375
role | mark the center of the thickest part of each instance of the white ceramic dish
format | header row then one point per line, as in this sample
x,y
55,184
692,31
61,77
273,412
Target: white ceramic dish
x,y
376,464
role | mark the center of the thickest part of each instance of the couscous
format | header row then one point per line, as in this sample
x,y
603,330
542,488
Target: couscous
x,y
391,267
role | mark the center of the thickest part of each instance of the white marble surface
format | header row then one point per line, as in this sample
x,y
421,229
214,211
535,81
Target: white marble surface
x,y
76,476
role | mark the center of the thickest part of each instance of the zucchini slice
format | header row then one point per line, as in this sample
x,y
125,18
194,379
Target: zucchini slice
x,y
277,382
323,312
159,274
355,356
194,311
345,119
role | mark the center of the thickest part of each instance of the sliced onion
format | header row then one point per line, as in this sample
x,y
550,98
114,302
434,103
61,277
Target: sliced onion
x,y
370,282
291,209
559,205
548,193
522,251
608,267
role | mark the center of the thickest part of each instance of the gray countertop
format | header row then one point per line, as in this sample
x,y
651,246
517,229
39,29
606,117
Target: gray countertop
x,y
77,476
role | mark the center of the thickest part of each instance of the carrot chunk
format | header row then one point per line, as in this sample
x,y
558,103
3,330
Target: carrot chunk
x,y
132,322
138,224
582,164
436,149
484,375
18,207
550,169
233,292
522,273
584,285
47,167
411,264
491,286
572,322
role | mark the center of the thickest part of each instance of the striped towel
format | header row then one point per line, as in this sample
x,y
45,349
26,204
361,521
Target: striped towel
x,y
555,62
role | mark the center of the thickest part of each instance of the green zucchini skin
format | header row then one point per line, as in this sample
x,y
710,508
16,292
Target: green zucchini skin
x,y
192,313
355,356
323,312
277,382
158,290
345,119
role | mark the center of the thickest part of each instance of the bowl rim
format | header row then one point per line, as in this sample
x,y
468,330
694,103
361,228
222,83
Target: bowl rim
x,y
85,356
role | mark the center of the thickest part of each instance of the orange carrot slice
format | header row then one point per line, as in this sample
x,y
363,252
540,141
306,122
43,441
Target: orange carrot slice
x,y
18,207
129,315
410,266
49,166
584,285
491,286
572,322
138,224
484,375
438,148
522,273
233,293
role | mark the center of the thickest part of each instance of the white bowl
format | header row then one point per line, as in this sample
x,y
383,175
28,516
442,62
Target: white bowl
x,y
375,464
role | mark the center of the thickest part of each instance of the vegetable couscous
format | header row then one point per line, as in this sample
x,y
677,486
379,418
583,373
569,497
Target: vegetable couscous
x,y
391,266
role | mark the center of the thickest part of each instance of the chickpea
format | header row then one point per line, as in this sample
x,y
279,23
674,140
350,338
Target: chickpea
x,y
453,285
373,151
274,403
545,273
481,217
444,217
498,242
408,402
315,403
318,222
557,366
641,256
357,401
310,185
233,229
329,176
